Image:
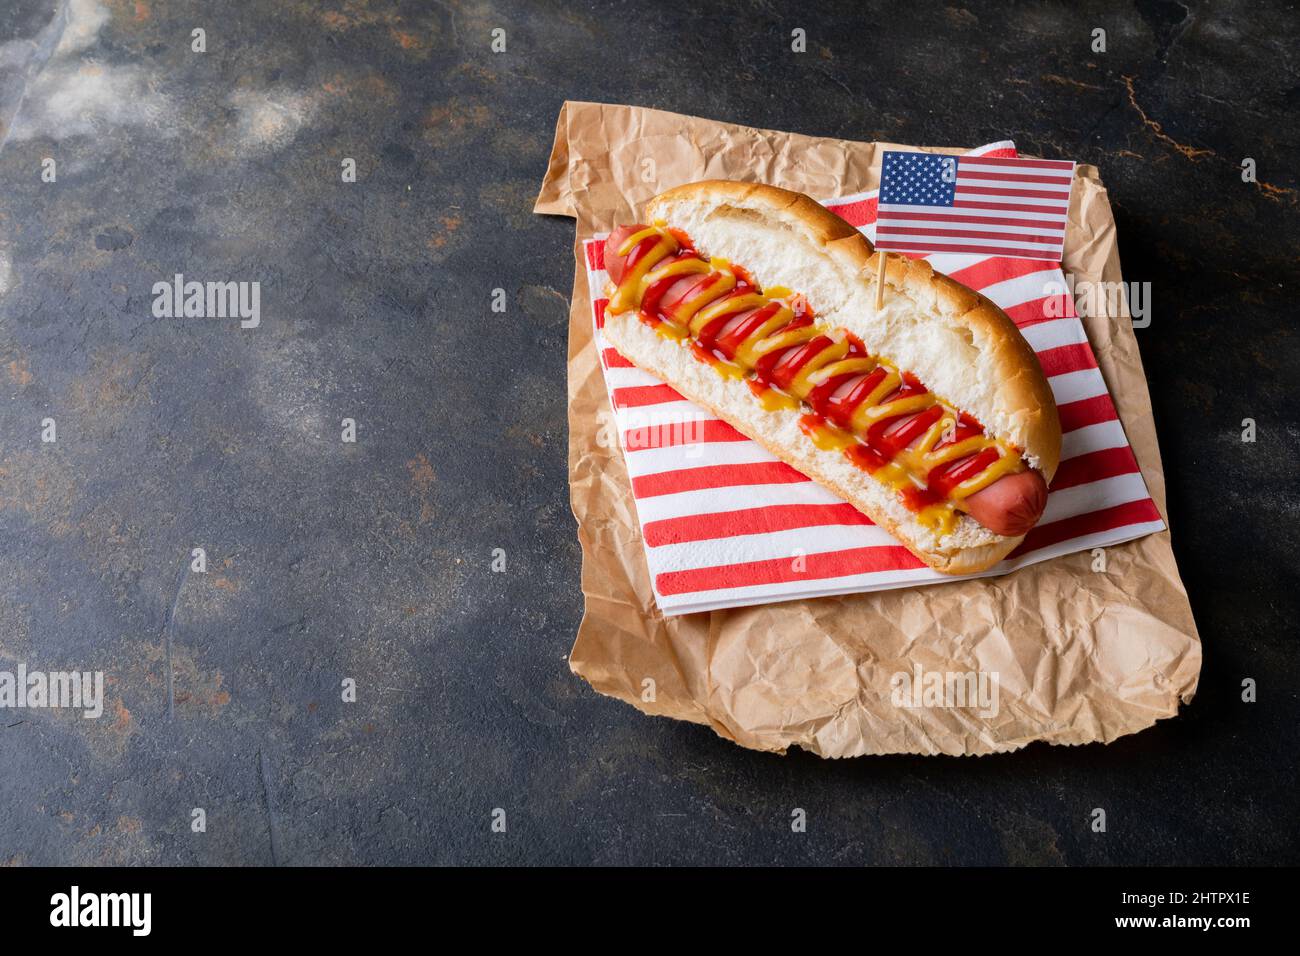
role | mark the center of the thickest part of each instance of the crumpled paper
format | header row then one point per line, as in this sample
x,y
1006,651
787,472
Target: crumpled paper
x,y
1083,648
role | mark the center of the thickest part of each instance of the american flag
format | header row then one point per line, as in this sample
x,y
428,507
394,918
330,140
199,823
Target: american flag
x,y
724,523
978,205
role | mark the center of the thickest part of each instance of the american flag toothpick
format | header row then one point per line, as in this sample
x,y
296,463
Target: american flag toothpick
x,y
980,205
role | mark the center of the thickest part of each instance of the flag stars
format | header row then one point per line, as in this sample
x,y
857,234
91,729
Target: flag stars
x,y
916,179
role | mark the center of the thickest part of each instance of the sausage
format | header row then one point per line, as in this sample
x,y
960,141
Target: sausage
x,y
1011,505
674,296
613,261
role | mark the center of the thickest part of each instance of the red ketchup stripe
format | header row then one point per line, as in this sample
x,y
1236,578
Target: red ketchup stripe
x,y
1095,466
715,476
860,213
636,396
613,360
1066,358
1094,522
1047,309
833,564
764,520
669,434
1086,411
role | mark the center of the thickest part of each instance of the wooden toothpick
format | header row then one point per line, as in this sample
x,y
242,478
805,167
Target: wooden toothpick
x,y
880,280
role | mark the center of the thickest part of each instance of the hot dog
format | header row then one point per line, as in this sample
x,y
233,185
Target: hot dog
x,y
932,415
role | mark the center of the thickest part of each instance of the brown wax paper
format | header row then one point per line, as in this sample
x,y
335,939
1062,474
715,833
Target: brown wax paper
x,y
1085,647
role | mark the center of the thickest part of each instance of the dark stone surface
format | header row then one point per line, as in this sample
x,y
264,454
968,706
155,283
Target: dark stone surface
x,y
371,560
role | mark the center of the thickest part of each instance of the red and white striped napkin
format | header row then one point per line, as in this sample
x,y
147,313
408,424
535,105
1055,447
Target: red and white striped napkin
x,y
726,524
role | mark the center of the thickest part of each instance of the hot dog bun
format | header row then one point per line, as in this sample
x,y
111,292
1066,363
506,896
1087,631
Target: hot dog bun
x,y
957,342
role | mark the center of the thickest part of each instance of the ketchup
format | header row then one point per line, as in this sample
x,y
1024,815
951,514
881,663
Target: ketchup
x,y
639,252
727,344
782,366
